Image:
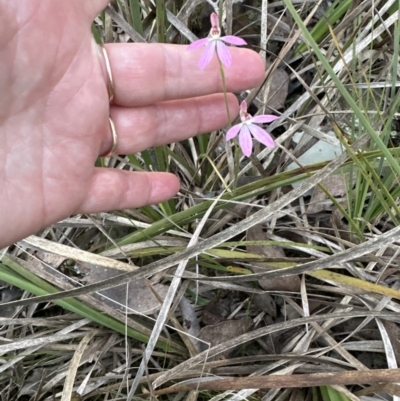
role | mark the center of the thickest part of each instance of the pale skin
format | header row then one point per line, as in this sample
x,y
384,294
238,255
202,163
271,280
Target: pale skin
x,y
54,111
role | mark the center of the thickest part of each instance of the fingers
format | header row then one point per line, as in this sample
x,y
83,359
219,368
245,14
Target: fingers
x,y
113,189
151,73
91,8
139,128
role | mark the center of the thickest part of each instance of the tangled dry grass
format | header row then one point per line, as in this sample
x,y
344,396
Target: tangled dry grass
x,y
274,277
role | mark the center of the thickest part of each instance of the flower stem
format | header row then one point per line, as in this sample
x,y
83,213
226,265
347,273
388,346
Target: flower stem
x,y
221,70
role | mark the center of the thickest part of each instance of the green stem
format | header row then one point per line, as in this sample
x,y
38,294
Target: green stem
x,y
221,70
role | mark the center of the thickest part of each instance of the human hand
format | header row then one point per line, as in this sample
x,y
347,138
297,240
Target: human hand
x,y
54,112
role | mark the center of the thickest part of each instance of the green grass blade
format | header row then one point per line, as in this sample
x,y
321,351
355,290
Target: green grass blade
x,y
135,12
161,21
16,275
320,30
343,91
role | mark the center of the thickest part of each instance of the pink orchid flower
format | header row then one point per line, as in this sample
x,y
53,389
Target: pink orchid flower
x,y
246,129
214,42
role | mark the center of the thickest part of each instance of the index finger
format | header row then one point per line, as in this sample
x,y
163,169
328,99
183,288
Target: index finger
x,y
150,73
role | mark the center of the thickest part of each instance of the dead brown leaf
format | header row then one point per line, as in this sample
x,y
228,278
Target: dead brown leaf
x,y
224,331
215,312
8,294
266,303
291,283
140,296
335,185
275,90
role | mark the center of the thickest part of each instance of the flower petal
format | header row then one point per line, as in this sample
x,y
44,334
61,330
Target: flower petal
x,y
245,141
234,40
223,53
214,20
232,132
243,107
264,118
198,43
207,54
261,135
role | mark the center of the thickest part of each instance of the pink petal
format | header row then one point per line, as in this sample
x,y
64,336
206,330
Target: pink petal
x,y
243,107
207,54
234,40
198,43
264,118
261,135
224,54
232,132
214,20
245,141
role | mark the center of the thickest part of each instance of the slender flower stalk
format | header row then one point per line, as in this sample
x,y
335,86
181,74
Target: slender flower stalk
x,y
248,129
221,70
215,43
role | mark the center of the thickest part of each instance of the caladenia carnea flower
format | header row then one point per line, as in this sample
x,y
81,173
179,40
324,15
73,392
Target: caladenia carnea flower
x,y
215,43
248,129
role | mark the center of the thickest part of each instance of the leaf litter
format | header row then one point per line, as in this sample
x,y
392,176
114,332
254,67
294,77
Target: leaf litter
x,y
340,316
